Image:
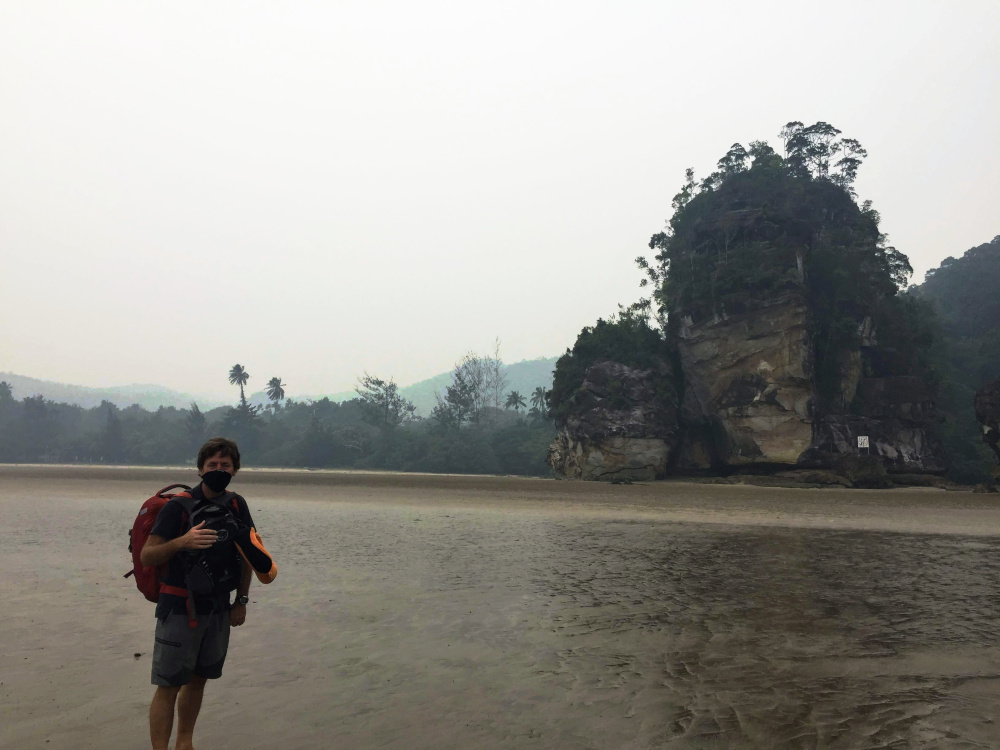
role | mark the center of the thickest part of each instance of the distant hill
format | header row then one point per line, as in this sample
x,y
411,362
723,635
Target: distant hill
x,y
523,377
147,396
967,355
965,291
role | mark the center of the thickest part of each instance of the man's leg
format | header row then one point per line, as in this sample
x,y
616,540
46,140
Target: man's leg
x,y
161,716
175,653
188,706
211,658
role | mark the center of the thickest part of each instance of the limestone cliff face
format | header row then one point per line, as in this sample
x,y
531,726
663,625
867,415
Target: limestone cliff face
x,y
624,425
749,374
749,397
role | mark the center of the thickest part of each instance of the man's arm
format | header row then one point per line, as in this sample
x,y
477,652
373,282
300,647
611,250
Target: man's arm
x,y
158,551
246,576
238,612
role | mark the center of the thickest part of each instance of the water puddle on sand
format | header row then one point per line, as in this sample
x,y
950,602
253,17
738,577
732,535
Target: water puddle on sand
x,y
780,638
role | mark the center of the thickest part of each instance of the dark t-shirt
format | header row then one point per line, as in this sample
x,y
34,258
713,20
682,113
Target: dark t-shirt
x,y
223,557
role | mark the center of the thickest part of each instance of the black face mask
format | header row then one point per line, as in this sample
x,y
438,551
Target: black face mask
x,y
217,481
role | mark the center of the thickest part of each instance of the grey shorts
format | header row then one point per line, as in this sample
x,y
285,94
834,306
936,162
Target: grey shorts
x,y
181,651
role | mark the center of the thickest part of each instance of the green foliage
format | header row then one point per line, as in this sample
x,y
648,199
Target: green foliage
x,y
239,376
460,404
909,340
539,398
515,401
195,426
963,291
315,434
627,339
752,233
475,394
112,437
383,406
275,391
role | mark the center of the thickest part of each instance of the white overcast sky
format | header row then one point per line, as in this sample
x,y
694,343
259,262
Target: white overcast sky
x,y
315,189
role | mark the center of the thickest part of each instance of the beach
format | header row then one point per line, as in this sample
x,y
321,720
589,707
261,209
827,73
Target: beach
x,y
437,611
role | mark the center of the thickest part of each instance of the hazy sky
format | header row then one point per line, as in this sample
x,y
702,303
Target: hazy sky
x,y
318,189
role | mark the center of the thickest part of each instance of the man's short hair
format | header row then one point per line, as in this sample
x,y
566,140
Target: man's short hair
x,y
222,445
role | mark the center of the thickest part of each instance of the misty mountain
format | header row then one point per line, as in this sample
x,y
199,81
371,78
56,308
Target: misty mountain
x,y
523,377
146,395
964,292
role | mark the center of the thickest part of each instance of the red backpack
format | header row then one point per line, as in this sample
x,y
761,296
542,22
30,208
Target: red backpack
x,y
147,579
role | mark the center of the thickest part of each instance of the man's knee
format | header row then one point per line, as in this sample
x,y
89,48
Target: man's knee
x,y
197,682
166,693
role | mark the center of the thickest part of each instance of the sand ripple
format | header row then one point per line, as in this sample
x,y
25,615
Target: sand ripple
x,y
467,613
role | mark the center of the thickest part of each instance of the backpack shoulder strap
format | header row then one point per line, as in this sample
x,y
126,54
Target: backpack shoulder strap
x,y
186,502
229,501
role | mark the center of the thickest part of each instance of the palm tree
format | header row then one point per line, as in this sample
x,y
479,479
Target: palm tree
x,y
515,400
239,376
275,392
538,400
6,392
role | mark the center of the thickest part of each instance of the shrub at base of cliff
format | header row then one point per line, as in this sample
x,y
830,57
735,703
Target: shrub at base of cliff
x,y
614,403
987,406
866,472
628,340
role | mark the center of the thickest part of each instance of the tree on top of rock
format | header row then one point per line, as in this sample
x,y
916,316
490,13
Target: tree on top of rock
x,y
765,225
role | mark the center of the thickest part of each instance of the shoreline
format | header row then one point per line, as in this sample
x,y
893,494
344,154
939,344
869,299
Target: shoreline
x,y
920,510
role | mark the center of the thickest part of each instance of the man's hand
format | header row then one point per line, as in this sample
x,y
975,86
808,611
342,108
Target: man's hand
x,y
237,615
198,537
158,551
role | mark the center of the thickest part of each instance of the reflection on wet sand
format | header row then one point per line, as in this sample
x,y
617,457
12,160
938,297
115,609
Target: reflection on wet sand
x,y
784,638
416,612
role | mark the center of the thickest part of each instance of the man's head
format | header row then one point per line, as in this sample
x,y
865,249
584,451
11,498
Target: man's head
x,y
219,454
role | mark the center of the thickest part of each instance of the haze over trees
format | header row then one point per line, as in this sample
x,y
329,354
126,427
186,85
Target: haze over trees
x,y
761,225
964,351
476,428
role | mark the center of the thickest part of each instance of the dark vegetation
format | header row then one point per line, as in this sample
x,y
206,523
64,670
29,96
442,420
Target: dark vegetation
x,y
477,427
964,296
766,225
627,339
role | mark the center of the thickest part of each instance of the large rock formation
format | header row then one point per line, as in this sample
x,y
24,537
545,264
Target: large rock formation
x,y
750,375
624,425
749,397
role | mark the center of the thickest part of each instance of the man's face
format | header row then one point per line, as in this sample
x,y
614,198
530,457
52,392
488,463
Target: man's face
x,y
218,462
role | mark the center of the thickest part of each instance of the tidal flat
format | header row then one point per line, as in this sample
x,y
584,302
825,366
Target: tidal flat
x,y
428,611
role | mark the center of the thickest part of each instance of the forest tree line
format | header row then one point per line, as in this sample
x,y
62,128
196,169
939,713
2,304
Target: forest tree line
x,y
478,426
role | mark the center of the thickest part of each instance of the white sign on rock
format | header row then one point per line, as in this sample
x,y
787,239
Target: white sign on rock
x,y
862,441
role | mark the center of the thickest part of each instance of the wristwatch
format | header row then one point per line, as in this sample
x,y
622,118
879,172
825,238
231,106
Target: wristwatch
x,y
241,599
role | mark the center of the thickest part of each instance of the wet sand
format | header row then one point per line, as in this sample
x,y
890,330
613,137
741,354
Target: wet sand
x,y
418,611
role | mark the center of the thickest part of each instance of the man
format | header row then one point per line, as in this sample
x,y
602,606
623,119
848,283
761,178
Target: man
x,y
204,538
